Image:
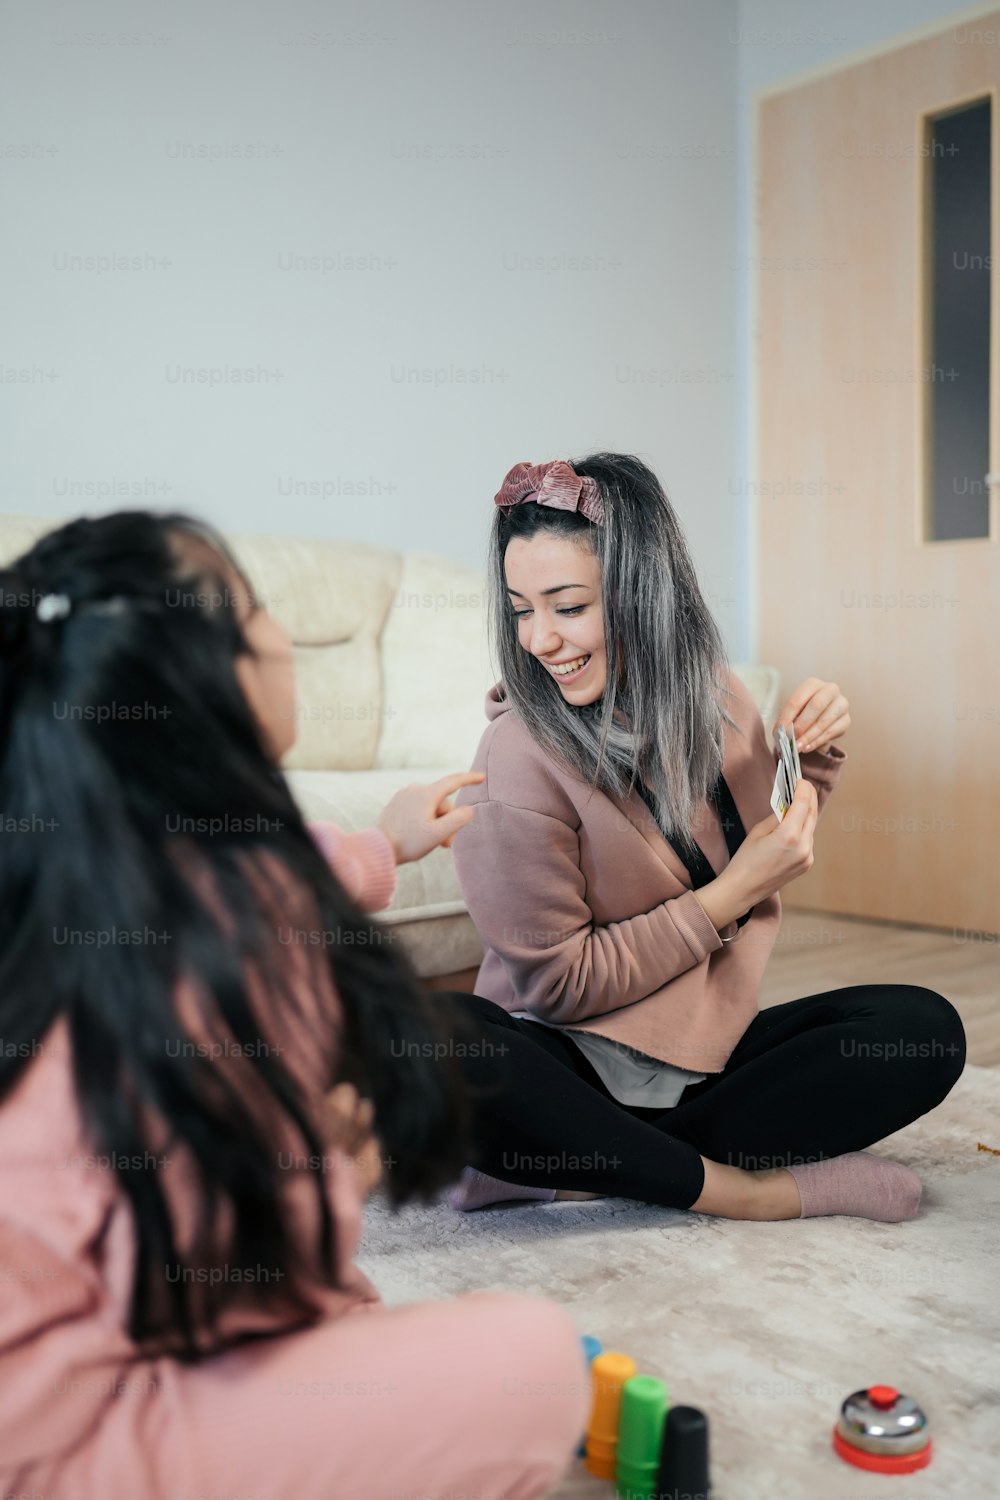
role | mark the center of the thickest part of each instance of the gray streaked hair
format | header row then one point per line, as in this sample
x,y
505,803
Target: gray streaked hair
x,y
661,716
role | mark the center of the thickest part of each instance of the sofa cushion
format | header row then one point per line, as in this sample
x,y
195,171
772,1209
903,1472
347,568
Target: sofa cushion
x,y
338,706
332,597
435,666
322,591
20,533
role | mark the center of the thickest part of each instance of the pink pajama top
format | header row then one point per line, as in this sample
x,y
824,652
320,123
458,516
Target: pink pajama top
x,y
66,1235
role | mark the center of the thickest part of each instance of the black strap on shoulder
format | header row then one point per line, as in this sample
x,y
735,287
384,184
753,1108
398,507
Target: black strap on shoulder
x,y
695,863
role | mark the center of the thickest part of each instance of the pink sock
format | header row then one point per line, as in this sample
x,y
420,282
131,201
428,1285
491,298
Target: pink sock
x,y
475,1190
858,1184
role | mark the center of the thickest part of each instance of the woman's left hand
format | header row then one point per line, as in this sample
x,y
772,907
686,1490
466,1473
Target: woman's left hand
x,y
817,712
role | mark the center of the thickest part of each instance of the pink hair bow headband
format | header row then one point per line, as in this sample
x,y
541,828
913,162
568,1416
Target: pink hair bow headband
x,y
555,484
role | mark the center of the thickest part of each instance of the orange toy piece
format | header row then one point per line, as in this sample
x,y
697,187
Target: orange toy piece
x,y
608,1373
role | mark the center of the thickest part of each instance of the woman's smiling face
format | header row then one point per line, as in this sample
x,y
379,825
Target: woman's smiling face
x,y
554,586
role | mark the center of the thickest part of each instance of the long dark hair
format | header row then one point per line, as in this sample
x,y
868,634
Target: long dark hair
x,y
662,712
124,734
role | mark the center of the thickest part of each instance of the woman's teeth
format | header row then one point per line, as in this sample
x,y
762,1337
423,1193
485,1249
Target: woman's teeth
x,y
565,668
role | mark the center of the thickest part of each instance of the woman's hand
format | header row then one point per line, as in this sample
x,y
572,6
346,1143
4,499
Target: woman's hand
x,y
771,855
350,1129
817,711
420,818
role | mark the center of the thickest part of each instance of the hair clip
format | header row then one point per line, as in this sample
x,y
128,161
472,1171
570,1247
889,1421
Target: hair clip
x,y
53,607
556,484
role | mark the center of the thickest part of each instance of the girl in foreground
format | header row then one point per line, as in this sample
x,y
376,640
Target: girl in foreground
x,y
623,870
179,1202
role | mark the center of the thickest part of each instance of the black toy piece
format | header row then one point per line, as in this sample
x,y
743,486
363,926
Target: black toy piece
x,y
684,1456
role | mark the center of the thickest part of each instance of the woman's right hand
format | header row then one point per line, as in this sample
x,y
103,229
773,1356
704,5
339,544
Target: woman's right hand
x,y
773,853
419,817
769,857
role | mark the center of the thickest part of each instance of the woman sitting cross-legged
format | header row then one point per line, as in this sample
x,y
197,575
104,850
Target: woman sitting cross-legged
x,y
198,1076
624,871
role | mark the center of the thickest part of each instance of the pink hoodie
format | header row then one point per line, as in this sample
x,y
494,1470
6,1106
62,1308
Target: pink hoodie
x,y
66,1237
588,915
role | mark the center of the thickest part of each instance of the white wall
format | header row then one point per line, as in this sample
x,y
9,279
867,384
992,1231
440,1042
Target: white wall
x,y
776,41
444,141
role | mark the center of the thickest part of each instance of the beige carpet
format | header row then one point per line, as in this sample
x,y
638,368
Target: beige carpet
x,y
767,1327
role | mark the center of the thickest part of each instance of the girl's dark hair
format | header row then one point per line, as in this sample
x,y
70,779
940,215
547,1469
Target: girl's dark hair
x,y
135,783
662,712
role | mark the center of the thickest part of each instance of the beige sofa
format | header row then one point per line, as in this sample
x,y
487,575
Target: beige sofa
x,y
392,666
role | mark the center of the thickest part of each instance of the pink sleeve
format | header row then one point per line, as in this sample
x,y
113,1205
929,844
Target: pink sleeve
x,y
364,862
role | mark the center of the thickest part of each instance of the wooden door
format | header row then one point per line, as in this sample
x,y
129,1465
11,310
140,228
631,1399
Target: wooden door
x,y
850,588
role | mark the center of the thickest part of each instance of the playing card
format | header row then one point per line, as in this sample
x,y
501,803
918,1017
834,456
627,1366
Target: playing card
x,y
785,737
781,799
789,771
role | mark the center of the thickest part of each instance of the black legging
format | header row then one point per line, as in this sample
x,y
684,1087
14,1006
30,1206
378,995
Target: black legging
x,y
809,1079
